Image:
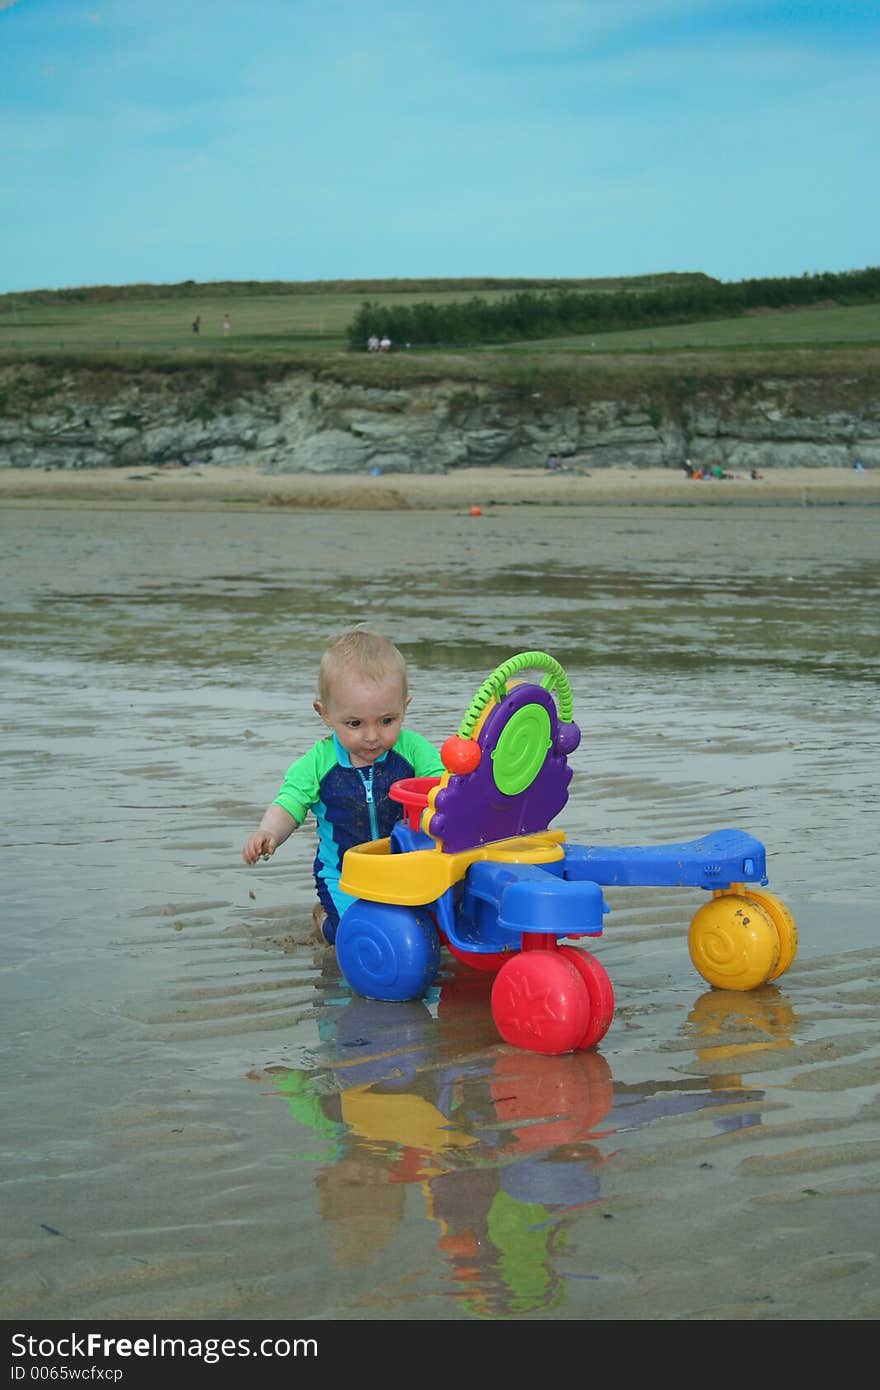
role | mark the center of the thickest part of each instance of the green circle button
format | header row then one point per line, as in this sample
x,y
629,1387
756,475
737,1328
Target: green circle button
x,y
521,749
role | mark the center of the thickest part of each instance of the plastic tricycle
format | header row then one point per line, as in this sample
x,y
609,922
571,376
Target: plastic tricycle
x,y
474,867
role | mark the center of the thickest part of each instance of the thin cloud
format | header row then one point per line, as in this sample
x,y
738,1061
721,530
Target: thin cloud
x,y
333,140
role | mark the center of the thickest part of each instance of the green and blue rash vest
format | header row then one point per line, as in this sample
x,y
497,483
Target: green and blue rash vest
x,y
351,804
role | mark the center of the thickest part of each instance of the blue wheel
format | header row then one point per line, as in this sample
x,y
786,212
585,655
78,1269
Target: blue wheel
x,y
386,951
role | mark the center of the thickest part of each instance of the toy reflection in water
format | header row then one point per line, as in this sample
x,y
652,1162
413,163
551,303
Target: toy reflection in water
x,y
734,1031
737,1023
506,1146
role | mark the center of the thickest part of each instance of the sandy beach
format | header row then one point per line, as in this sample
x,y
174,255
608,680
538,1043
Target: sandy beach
x,y
203,1122
219,488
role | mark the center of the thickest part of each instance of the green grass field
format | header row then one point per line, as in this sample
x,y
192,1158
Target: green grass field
x,y
269,325
266,319
260,323
820,328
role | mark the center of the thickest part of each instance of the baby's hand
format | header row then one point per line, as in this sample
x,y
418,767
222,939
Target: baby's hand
x,y
261,845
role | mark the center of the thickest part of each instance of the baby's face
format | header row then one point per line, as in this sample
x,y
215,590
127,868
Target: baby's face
x,y
365,715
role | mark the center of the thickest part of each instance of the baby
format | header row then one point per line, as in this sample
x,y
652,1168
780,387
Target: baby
x,y
344,778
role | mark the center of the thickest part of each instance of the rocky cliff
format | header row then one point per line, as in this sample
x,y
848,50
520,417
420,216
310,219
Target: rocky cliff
x,y
300,421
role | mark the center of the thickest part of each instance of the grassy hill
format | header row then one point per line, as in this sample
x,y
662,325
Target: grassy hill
x,y
270,318
280,326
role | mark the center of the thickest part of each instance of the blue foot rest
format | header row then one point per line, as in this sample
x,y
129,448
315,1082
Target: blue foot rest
x,y
714,861
501,901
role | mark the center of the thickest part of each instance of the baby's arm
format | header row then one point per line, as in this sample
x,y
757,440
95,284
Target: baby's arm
x,y
275,827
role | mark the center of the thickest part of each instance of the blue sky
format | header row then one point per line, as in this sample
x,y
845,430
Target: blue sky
x,y
339,139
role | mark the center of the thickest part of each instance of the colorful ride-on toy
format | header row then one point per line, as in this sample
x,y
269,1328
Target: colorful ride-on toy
x,y
474,866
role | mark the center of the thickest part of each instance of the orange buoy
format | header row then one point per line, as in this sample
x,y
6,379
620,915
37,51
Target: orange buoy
x,y
476,511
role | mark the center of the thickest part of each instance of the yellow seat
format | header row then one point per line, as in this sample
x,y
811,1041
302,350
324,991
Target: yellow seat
x,y
370,871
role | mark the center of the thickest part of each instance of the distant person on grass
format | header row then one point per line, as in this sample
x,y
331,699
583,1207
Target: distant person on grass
x,y
345,777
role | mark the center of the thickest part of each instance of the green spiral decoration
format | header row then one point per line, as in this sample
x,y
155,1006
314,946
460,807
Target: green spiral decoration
x,y
494,687
520,751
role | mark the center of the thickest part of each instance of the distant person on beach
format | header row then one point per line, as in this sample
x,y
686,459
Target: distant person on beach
x,y
226,323
197,323
554,463
344,778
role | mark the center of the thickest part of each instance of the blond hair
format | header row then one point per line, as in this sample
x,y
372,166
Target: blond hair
x,y
362,650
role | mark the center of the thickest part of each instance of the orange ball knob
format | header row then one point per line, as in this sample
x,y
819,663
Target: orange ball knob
x,y
460,755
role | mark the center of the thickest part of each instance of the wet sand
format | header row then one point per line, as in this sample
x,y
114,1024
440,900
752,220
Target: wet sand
x,y
219,488
202,1121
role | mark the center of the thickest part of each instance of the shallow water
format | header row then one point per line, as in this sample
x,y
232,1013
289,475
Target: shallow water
x,y
202,1120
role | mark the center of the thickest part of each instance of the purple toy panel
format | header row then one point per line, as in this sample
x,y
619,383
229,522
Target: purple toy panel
x,y
471,810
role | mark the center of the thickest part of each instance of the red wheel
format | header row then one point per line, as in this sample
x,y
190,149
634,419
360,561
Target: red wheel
x,y
599,991
540,1002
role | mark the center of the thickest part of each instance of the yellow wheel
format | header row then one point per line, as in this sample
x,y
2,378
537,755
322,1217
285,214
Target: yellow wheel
x,y
783,921
733,942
